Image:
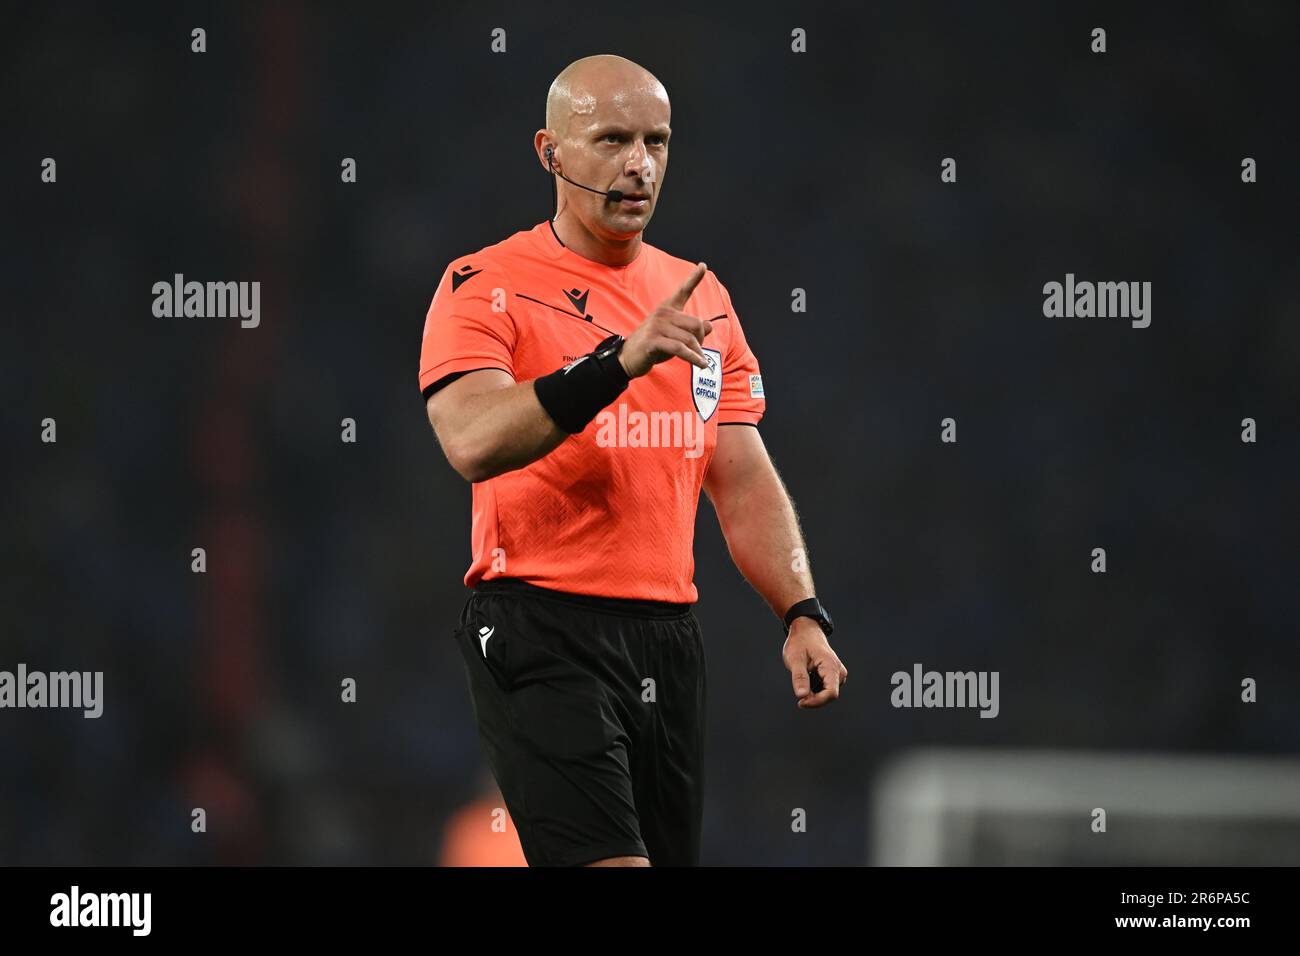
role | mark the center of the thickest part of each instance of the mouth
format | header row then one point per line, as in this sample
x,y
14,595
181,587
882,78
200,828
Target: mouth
x,y
635,200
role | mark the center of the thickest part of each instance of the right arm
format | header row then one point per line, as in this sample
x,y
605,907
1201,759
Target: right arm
x,y
487,424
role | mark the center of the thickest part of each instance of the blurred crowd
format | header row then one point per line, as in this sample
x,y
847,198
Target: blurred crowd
x,y
819,171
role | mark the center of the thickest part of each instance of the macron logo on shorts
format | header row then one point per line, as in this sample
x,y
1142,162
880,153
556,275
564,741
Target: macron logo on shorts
x,y
483,634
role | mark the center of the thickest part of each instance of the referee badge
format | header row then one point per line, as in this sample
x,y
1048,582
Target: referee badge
x,y
706,384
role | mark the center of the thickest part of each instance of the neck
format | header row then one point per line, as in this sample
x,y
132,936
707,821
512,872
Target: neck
x,y
578,238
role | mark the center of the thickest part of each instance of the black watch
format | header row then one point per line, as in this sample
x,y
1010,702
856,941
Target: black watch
x,y
608,346
810,608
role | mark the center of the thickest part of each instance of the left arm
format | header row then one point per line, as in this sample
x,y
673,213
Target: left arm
x,y
761,528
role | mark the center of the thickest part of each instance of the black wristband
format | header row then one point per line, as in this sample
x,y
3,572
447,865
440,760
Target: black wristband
x,y
575,394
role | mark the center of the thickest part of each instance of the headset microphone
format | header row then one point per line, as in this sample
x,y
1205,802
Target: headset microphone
x,y
613,195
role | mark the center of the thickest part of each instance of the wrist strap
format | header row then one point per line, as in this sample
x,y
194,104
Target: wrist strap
x,y
575,394
808,607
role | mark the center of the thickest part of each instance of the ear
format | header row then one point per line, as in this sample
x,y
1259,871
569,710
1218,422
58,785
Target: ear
x,y
544,141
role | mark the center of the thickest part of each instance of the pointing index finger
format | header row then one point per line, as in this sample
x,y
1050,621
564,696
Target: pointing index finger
x,y
678,299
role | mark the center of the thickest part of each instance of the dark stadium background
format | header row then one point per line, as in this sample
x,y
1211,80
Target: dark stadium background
x,y
818,171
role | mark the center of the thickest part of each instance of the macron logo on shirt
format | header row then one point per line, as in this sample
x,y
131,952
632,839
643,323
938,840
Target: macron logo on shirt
x,y
578,300
462,275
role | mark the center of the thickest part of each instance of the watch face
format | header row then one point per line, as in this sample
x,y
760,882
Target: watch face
x,y
609,346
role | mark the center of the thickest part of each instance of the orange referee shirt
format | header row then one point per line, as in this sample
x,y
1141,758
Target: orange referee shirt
x,y
611,511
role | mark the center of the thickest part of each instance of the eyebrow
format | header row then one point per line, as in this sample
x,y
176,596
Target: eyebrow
x,y
664,131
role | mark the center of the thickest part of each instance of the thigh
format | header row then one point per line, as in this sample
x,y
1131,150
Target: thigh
x,y
550,730
669,771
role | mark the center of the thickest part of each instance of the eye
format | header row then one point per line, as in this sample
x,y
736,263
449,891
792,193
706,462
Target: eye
x,y
612,136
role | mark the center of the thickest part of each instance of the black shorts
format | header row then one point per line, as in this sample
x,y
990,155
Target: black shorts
x,y
591,715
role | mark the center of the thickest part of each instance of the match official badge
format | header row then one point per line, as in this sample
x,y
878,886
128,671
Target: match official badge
x,y
706,384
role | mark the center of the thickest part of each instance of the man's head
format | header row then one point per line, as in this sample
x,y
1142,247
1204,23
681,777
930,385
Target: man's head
x,y
607,122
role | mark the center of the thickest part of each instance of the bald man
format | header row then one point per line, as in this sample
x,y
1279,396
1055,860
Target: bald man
x,y
588,385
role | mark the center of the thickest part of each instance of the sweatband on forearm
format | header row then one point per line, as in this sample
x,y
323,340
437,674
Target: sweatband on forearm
x,y
575,394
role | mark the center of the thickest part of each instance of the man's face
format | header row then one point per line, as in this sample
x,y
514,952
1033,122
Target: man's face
x,y
617,141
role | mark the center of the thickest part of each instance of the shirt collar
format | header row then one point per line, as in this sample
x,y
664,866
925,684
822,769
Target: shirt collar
x,y
558,250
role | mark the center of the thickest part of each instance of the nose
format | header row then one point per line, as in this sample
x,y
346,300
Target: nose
x,y
640,163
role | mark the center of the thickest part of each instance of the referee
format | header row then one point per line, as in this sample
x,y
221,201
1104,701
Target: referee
x,y
588,385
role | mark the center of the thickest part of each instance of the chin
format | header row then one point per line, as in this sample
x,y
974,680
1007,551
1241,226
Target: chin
x,y
625,227
638,220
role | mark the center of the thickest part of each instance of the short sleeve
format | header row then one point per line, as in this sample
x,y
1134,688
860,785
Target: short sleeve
x,y
742,399
468,325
